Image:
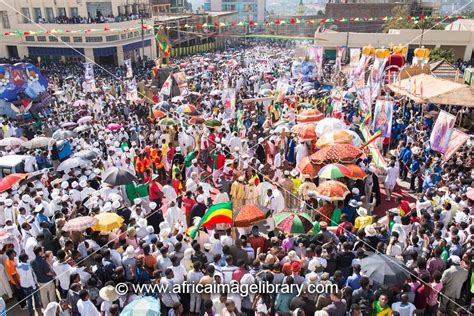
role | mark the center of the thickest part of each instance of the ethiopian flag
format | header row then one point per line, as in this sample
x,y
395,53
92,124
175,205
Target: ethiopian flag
x,y
220,213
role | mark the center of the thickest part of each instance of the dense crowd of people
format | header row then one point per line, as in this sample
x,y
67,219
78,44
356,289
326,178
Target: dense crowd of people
x,y
246,158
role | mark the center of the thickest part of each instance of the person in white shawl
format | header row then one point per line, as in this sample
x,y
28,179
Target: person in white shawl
x,y
174,215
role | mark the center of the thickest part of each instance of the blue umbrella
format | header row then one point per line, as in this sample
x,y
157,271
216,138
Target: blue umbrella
x,y
145,306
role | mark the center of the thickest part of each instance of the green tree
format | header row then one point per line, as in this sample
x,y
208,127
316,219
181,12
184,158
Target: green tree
x,y
440,53
320,14
404,11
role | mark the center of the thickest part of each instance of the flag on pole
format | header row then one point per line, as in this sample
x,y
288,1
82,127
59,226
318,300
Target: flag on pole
x,y
377,134
220,213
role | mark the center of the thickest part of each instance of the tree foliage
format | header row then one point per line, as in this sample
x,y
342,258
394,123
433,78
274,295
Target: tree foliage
x,y
440,53
404,23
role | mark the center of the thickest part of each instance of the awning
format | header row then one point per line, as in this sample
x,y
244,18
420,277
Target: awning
x,y
425,88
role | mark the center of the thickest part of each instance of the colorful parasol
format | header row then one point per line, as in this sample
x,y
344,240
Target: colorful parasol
x,y
167,122
157,114
292,222
306,167
249,214
332,190
79,224
333,171
336,153
355,172
310,115
334,137
187,108
107,222
213,123
114,126
9,181
196,120
305,131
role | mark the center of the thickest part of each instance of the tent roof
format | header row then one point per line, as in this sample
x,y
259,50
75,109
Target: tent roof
x,y
435,90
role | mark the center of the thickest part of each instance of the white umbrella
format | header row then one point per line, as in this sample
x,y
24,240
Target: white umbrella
x,y
329,124
12,142
71,163
37,142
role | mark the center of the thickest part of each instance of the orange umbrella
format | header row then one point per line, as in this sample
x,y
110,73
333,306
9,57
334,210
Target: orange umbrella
x,y
157,114
305,131
332,190
249,214
355,172
334,137
306,167
9,181
336,153
310,115
196,120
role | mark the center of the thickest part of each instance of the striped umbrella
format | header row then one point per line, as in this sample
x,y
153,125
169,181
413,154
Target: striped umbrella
x,y
292,222
145,306
333,171
79,224
187,108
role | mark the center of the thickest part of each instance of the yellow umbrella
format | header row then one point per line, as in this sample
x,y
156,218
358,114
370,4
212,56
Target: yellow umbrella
x,y
107,222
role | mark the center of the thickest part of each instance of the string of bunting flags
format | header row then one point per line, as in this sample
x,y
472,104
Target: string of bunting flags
x,y
217,24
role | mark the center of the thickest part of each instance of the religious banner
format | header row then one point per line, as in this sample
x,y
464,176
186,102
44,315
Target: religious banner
x,y
365,100
166,88
281,90
89,82
317,54
383,117
355,56
180,78
128,65
442,131
228,98
456,140
339,55
132,93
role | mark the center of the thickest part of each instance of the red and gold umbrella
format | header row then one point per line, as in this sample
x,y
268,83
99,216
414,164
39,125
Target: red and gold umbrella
x,y
310,115
249,214
157,114
9,181
332,190
334,137
305,131
306,167
355,172
336,153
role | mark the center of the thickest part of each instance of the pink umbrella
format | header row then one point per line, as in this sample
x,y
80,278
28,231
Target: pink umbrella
x,y
84,120
114,126
211,68
68,125
79,224
79,103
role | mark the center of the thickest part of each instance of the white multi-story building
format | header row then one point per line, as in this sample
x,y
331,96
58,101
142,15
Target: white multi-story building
x,y
247,10
104,31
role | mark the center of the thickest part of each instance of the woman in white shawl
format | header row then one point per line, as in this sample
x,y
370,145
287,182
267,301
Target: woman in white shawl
x,y
187,262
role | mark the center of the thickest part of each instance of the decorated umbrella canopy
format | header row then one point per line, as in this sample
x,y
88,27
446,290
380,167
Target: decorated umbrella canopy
x,y
310,115
305,131
334,137
329,124
249,214
83,120
157,114
82,128
74,162
167,122
196,120
356,140
9,181
118,176
87,154
11,142
177,99
292,222
114,126
213,123
64,134
382,269
145,306
333,171
332,190
186,108
37,142
336,153
355,172
306,167
79,224
107,222
68,125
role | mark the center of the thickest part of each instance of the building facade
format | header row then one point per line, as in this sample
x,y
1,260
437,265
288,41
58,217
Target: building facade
x,y
247,10
101,31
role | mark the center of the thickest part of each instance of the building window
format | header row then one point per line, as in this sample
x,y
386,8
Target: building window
x,y
136,34
130,35
66,39
148,32
50,15
123,36
53,39
112,38
41,38
25,14
62,11
37,14
29,38
77,39
93,39
74,12
5,20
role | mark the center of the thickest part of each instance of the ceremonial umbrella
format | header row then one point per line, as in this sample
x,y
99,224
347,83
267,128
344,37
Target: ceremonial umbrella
x,y
145,306
9,181
333,171
157,114
118,176
83,120
305,131
37,142
186,108
336,153
213,123
196,120
79,224
334,137
87,154
332,190
68,125
292,222
249,214
82,128
167,122
355,172
11,142
107,222
74,162
329,124
382,269
114,126
309,115
64,134
306,167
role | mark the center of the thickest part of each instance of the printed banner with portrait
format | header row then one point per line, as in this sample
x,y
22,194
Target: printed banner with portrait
x,y
180,78
281,90
383,117
457,139
442,131
228,98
